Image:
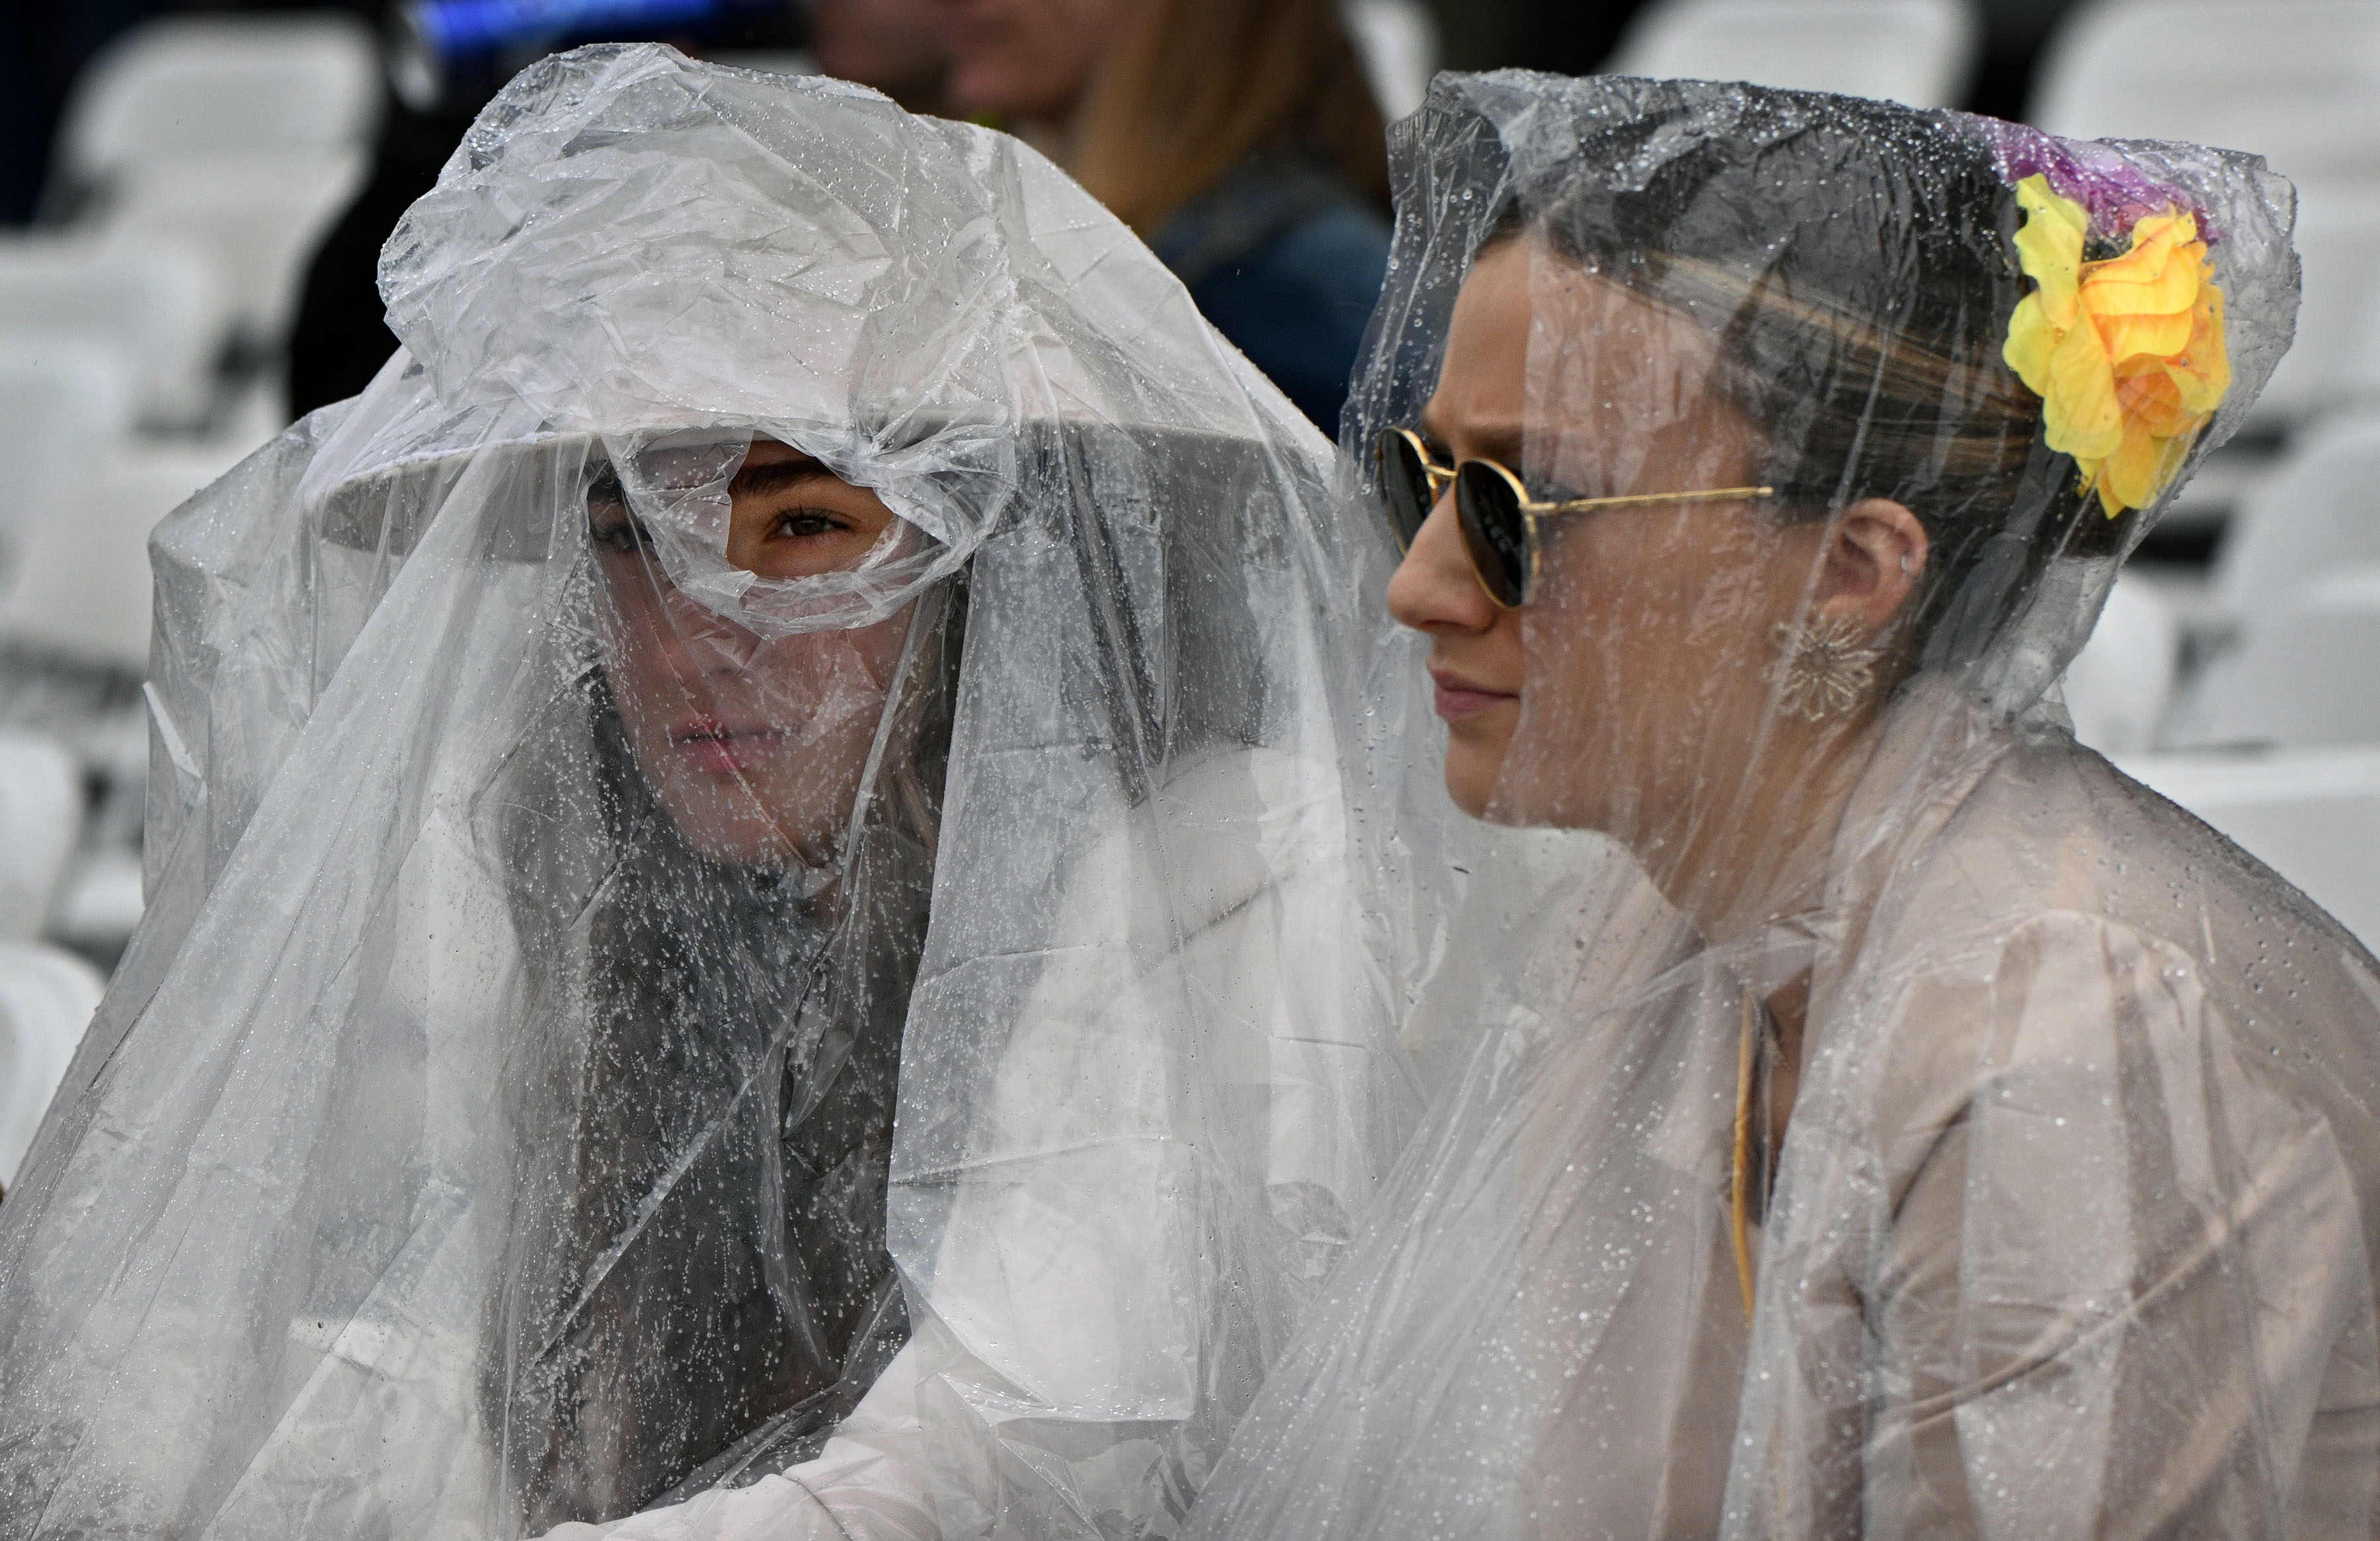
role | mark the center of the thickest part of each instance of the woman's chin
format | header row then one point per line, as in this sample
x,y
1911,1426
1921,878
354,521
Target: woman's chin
x,y
1471,783
765,850
739,837
1522,800
1486,787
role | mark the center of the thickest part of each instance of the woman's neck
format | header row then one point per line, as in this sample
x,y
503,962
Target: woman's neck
x,y
1766,854
1767,858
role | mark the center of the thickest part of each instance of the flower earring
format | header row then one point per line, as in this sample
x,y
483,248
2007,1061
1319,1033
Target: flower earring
x,y
1828,668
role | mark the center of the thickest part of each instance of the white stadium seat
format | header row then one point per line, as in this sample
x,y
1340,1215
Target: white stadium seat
x,y
236,139
1917,52
2293,81
99,901
2303,672
2290,79
2117,687
78,583
64,407
2317,511
254,219
203,85
40,820
2311,814
47,996
157,308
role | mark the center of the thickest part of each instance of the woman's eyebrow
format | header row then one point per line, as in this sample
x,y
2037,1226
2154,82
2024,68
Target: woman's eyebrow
x,y
1503,445
1498,441
777,476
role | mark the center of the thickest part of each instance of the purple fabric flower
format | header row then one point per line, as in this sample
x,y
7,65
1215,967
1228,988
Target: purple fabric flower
x,y
2114,190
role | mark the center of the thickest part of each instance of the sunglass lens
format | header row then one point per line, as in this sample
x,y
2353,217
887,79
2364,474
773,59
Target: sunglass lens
x,y
1494,530
1404,486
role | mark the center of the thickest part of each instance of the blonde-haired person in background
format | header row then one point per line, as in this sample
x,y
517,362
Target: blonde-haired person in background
x,y
893,45
1239,138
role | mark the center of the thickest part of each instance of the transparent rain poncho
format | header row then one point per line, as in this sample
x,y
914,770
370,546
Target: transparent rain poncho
x,y
1881,1117
782,829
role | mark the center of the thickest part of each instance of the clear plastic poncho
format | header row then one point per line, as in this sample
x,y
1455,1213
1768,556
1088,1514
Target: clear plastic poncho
x,y
780,829
1883,1118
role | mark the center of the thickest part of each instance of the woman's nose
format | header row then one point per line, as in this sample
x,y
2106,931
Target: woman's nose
x,y
700,638
1434,588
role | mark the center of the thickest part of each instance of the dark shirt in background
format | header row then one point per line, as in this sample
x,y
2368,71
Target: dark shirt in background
x,y
339,340
1286,260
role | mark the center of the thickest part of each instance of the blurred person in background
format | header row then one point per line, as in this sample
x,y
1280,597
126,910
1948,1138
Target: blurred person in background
x,y
893,45
1238,137
339,341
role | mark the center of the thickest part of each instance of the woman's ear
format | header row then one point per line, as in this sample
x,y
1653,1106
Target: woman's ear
x,y
1875,554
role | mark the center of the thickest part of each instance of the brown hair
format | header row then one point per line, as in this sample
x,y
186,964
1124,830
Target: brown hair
x,y
1849,405
1853,405
1857,265
1194,86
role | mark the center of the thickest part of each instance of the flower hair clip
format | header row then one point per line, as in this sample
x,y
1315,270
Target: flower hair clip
x,y
2126,353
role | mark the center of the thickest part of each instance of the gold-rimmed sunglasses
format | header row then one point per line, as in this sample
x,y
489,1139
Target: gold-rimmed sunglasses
x,y
1498,517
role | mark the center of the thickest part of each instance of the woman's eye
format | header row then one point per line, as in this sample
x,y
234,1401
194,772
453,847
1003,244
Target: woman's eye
x,y
804,523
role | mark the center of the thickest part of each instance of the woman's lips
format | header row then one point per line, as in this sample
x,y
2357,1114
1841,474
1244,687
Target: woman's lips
x,y
708,743
1458,699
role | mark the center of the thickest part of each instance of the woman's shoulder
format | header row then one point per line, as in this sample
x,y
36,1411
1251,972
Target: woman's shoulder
x,y
2064,891
2073,965
2055,828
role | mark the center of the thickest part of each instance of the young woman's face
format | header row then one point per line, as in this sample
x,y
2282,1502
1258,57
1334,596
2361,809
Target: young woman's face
x,y
1028,60
1635,674
754,747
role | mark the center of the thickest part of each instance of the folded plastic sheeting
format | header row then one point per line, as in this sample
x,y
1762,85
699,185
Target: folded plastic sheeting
x,y
787,809
1925,1131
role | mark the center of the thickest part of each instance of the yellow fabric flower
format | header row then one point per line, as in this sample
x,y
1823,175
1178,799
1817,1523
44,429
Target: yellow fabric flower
x,y
2127,354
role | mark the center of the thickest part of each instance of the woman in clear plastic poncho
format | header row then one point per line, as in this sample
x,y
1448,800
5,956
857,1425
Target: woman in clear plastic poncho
x,y
813,639
1925,1131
